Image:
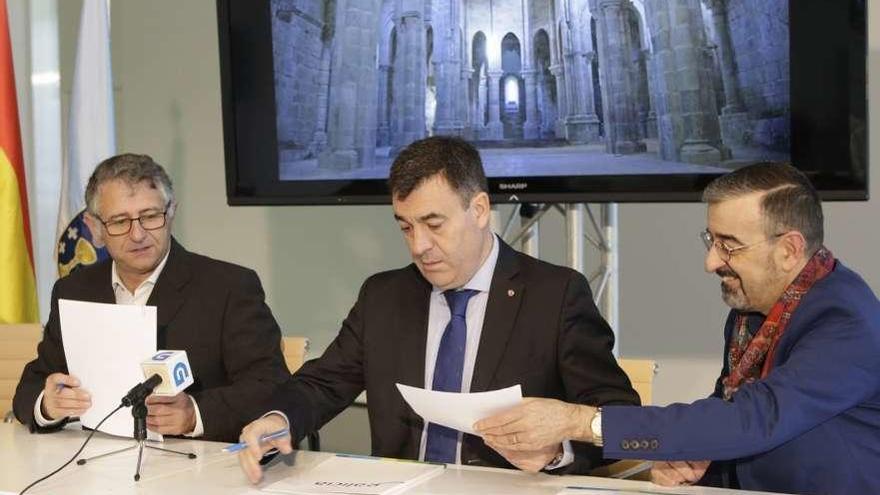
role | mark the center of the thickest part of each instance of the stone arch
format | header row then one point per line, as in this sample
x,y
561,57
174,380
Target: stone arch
x,y
645,38
511,87
479,110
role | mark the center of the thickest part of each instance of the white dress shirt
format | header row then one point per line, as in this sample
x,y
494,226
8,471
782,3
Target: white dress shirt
x,y
439,316
139,297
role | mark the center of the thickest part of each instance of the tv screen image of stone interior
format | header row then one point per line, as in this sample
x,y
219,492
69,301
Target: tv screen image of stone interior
x,y
603,94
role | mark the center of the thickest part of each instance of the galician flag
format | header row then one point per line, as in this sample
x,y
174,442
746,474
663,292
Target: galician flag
x,y
90,135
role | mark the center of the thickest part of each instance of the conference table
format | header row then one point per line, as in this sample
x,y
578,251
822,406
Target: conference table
x,y
24,457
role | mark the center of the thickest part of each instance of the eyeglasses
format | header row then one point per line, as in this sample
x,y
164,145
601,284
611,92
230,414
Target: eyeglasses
x,y
150,221
726,252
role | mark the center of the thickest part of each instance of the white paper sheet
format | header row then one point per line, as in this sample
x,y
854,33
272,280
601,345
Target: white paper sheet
x,y
104,345
459,411
349,474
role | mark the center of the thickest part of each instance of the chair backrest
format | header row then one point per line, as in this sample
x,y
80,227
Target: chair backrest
x,y
641,374
294,350
18,346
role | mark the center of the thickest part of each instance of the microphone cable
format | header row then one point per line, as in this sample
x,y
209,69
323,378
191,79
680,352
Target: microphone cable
x,y
78,452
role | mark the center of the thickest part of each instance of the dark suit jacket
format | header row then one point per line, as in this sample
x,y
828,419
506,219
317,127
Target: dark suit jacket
x,y
811,426
541,330
215,311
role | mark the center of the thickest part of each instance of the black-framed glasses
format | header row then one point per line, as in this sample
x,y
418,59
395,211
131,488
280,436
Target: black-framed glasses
x,y
726,252
150,221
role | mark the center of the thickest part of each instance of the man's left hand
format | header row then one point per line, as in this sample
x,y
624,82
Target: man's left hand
x,y
173,415
536,424
531,460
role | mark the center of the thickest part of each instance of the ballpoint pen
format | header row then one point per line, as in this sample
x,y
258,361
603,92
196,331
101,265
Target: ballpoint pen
x,y
269,436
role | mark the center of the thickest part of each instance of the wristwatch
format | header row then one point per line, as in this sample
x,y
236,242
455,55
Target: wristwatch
x,y
596,427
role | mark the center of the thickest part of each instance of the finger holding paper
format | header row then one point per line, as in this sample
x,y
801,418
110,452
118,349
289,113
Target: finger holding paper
x,y
64,397
535,424
249,458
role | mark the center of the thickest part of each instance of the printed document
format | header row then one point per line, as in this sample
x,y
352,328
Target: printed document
x,y
459,411
359,475
104,345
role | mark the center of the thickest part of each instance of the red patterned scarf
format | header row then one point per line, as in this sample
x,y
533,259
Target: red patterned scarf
x,y
750,358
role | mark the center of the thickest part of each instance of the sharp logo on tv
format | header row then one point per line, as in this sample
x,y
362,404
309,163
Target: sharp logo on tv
x,y
665,93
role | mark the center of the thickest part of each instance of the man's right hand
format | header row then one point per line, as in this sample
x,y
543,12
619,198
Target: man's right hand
x,y
249,458
673,473
63,397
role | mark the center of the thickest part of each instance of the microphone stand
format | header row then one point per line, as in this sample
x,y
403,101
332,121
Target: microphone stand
x,y
139,413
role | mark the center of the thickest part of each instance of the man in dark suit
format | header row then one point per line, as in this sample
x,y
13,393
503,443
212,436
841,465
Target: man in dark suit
x,y
469,315
213,310
797,406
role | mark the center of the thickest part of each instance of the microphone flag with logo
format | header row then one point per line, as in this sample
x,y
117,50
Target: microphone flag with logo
x,y
173,367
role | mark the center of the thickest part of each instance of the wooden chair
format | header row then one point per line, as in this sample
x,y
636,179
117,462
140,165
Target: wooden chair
x,y
641,374
295,350
18,346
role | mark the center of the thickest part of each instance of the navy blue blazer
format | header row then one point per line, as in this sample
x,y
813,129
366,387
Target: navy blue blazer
x,y
811,426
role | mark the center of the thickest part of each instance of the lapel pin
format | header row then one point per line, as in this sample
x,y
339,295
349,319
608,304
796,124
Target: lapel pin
x,y
510,293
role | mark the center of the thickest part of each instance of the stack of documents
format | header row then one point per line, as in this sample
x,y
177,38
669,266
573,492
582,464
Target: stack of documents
x,y
345,474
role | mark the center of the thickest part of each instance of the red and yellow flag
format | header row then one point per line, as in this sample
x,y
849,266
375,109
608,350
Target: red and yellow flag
x,y
18,294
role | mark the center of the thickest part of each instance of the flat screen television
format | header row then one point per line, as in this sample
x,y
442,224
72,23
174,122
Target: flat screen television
x,y
568,101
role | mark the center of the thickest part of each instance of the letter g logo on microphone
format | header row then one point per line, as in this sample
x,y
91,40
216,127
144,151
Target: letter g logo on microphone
x,y
162,356
181,373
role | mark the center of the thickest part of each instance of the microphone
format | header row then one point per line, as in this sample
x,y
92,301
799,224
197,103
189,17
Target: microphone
x,y
140,391
173,369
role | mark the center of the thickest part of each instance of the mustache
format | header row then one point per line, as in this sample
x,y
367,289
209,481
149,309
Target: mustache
x,y
726,272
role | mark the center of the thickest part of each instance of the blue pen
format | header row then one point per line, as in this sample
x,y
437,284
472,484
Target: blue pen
x,y
269,436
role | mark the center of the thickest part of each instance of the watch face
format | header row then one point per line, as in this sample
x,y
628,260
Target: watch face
x,y
596,425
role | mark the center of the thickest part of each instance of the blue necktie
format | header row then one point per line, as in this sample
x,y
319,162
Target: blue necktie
x,y
441,443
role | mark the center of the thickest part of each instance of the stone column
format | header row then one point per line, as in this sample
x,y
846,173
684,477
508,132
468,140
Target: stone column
x,y
319,137
561,100
734,118
479,119
685,103
622,134
494,129
351,116
582,126
531,127
651,121
464,104
382,134
547,108
409,77
447,69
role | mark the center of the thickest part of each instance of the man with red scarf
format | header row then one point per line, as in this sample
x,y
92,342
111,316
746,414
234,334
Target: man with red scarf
x,y
797,406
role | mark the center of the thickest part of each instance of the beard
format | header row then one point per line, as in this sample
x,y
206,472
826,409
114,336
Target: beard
x,y
732,292
763,291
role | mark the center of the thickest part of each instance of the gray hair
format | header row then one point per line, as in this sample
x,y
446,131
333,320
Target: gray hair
x,y
790,201
132,169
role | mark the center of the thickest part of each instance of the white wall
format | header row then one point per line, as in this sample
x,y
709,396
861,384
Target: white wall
x,y
313,259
